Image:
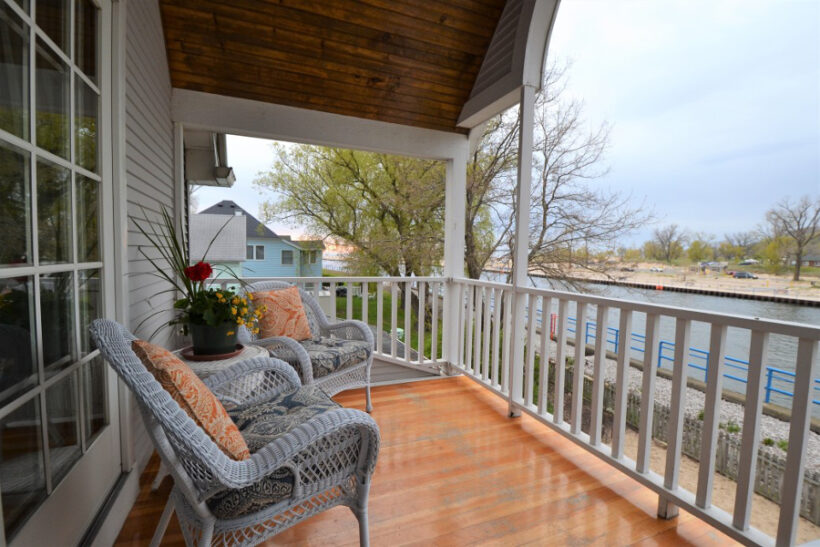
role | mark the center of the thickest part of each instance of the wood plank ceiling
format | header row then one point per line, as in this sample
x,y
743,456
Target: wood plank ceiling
x,y
411,62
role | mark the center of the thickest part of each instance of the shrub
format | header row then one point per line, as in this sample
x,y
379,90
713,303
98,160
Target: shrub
x,y
768,442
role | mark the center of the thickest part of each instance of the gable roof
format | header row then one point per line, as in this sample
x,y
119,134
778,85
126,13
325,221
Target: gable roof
x,y
253,228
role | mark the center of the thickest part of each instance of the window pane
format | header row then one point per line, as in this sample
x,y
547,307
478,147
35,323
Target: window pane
x,y
22,475
90,296
52,102
62,417
57,317
15,219
88,214
53,212
23,4
249,252
260,252
13,73
96,408
287,257
52,17
18,370
87,53
85,126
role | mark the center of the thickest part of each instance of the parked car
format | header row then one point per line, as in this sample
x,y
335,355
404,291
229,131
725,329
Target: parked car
x,y
744,275
655,269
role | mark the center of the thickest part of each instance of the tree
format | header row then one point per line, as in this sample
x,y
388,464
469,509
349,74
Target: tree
x,y
740,244
390,208
699,251
799,222
669,241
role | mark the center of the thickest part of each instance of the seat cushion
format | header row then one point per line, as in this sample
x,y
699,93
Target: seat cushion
x,y
284,314
328,355
193,396
260,424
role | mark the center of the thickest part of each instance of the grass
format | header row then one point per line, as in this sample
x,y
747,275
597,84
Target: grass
x,y
387,302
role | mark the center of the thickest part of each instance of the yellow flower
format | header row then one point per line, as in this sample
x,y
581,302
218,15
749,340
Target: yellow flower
x,y
240,321
256,330
219,295
250,296
233,311
230,333
244,302
244,311
235,300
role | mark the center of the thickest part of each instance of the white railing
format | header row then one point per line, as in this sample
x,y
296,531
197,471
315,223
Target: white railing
x,y
486,354
405,313
487,343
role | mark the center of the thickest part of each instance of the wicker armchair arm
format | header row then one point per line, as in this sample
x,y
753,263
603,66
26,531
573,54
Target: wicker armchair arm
x,y
351,330
254,379
302,446
278,343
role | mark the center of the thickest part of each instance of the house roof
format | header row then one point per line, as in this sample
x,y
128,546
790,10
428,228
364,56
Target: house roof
x,y
229,245
253,228
400,61
311,244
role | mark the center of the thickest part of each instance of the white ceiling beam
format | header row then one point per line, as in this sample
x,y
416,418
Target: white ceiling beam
x,y
223,114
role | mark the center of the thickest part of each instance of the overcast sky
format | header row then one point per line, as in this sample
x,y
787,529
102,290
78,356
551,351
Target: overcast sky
x,y
714,106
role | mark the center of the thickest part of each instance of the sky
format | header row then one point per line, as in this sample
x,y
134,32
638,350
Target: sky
x,y
714,107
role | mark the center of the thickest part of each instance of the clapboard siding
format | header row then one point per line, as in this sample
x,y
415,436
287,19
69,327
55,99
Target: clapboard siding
x,y
149,169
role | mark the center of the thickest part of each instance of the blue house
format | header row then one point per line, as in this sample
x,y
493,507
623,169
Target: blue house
x,y
268,254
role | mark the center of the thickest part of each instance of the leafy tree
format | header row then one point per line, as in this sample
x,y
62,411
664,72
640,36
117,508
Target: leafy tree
x,y
668,243
773,252
740,244
700,251
799,222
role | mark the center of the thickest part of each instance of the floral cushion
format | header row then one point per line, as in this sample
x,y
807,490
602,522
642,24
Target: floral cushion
x,y
194,397
285,314
329,355
260,424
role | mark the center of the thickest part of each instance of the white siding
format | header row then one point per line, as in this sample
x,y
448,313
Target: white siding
x,y
149,169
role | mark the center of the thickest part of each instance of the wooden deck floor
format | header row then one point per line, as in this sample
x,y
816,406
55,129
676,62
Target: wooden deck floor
x,y
454,470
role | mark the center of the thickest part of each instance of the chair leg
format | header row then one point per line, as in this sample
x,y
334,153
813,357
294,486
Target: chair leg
x,y
364,533
369,406
163,523
207,534
162,472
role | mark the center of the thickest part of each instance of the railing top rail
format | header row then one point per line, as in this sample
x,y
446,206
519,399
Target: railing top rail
x,y
753,323
483,283
333,279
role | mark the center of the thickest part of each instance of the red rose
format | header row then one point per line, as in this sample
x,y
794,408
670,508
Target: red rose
x,y
199,271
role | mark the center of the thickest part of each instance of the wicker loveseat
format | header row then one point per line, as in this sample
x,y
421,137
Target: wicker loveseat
x,y
307,453
337,357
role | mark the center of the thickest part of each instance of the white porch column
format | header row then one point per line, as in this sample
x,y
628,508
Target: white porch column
x,y
455,199
522,236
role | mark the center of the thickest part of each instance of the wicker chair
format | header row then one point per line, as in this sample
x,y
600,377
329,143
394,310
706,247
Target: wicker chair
x,y
327,459
307,356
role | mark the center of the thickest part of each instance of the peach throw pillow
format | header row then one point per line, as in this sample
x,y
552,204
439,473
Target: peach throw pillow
x,y
285,314
194,397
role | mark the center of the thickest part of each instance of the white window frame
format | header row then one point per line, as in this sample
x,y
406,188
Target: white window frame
x,y
282,257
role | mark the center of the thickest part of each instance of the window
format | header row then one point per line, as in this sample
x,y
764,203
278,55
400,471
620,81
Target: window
x,y
287,258
255,252
53,382
314,257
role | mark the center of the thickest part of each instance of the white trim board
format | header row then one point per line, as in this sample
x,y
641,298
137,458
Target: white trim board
x,y
235,116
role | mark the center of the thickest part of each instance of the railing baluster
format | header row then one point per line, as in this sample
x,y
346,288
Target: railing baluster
x,y
333,300
798,438
621,386
365,302
683,330
752,411
479,299
460,331
578,369
529,373
394,318
650,365
421,288
379,312
597,405
544,356
498,299
349,311
711,415
560,361
434,296
468,332
505,360
408,313
485,355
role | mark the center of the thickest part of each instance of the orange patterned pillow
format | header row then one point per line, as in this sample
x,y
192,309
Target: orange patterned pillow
x,y
194,397
284,315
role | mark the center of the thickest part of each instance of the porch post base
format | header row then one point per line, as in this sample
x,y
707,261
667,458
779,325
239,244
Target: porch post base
x,y
666,509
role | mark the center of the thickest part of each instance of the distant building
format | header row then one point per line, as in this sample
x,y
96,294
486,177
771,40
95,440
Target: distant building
x,y
811,261
265,253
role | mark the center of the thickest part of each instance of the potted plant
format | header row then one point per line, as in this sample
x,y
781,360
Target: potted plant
x,y
212,316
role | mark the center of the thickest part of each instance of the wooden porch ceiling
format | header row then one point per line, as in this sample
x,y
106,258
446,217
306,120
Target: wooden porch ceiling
x,y
411,62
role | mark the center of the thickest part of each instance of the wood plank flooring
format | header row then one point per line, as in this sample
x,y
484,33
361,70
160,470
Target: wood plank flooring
x,y
454,470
